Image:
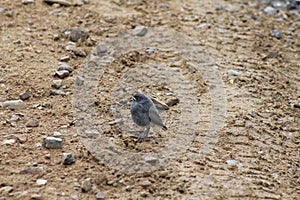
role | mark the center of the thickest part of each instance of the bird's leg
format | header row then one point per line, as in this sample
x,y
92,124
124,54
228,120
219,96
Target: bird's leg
x,y
144,135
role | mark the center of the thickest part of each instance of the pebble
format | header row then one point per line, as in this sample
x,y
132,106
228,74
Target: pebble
x,y
36,197
56,92
70,47
164,6
24,96
203,26
86,185
173,102
62,74
150,50
139,31
65,59
28,2
8,142
14,118
56,84
53,143
60,2
9,13
270,10
151,160
65,66
232,72
101,49
67,159
57,134
231,162
277,34
33,171
2,10
14,104
79,80
38,144
100,179
22,138
41,182
79,52
99,195
117,121
78,34
32,123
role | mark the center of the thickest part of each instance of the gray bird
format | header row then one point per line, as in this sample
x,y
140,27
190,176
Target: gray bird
x,y
144,113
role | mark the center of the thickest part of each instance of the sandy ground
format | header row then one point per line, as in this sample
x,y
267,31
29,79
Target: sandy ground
x,y
230,136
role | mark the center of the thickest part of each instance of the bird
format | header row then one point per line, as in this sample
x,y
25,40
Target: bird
x,y
144,113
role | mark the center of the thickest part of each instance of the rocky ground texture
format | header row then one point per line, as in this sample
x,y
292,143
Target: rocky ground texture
x,y
224,73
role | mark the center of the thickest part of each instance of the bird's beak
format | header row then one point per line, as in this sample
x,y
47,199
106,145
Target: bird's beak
x,y
134,99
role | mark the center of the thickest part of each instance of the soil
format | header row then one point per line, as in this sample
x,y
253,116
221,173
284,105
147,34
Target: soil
x,y
229,136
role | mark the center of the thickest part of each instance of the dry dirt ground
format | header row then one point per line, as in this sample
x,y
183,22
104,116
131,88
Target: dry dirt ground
x,y
230,136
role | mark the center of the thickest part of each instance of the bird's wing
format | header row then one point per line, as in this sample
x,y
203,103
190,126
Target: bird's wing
x,y
155,119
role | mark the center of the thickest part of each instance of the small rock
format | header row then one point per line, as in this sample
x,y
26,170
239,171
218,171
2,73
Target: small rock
x,y
41,182
24,96
117,121
67,159
164,6
65,59
272,54
57,134
79,81
146,183
99,195
62,74
278,4
9,13
78,34
32,123
151,160
100,179
56,84
150,50
22,138
2,10
27,2
60,2
159,104
56,92
270,10
38,144
101,49
79,52
14,104
53,143
232,72
139,31
65,66
8,142
173,102
33,171
14,118
70,47
179,63
86,185
277,34
36,197
203,26
231,162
